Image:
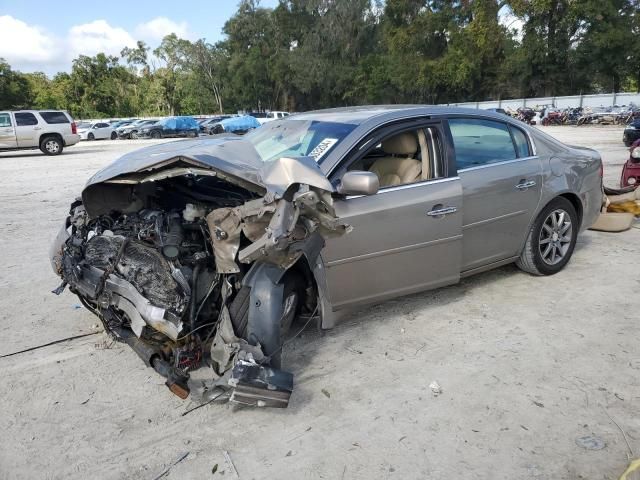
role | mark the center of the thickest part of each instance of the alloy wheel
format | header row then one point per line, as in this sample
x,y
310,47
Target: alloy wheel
x,y
555,237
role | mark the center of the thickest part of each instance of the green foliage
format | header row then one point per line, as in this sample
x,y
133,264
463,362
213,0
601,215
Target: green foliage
x,y
306,54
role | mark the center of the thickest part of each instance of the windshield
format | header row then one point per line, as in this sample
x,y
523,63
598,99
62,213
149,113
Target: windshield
x,y
297,138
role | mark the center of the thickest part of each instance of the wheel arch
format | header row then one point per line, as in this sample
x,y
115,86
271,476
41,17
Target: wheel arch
x,y
575,201
51,134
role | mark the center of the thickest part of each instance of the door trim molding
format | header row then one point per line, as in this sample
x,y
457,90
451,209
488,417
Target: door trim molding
x,y
493,219
391,251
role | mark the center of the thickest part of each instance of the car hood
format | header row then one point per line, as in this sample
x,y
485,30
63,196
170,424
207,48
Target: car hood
x,y
231,158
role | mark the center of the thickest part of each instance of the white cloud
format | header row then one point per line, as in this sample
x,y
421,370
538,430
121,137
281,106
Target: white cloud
x,y
155,30
26,44
32,48
95,37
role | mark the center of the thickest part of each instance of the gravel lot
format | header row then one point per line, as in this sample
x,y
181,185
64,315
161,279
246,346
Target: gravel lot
x,y
527,366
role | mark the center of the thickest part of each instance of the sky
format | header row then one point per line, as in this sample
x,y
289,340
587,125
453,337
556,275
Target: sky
x,y
40,35
45,36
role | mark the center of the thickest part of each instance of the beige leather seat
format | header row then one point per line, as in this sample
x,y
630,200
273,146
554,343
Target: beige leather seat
x,y
400,166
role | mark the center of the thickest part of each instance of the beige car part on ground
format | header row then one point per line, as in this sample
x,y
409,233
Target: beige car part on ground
x,y
618,212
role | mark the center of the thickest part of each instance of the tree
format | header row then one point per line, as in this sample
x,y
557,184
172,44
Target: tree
x,y
15,91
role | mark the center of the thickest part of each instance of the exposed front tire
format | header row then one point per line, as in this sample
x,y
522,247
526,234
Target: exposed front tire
x,y
155,134
551,240
51,145
291,298
114,135
91,137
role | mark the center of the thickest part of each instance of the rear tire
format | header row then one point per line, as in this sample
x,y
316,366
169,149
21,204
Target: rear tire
x,y
551,240
51,145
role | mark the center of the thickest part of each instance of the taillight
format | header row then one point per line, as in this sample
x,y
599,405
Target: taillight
x,y
74,128
601,169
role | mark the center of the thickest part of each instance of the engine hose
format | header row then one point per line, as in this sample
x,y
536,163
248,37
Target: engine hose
x,y
194,296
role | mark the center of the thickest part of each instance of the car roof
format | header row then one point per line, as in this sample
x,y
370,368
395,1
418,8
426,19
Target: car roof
x,y
358,115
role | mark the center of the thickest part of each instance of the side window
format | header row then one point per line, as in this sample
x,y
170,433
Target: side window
x,y
103,125
480,142
5,120
54,117
24,119
403,157
522,144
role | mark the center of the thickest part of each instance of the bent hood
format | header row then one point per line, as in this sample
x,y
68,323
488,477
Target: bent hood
x,y
231,158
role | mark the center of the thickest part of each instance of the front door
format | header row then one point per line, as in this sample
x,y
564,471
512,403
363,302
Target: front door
x,y
407,237
501,187
7,133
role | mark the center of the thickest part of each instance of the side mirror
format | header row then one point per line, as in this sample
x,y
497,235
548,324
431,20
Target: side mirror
x,y
359,183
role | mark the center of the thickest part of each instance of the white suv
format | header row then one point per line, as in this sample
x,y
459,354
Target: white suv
x,y
48,130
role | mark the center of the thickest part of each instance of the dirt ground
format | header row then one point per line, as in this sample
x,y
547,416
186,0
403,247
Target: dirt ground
x,y
527,366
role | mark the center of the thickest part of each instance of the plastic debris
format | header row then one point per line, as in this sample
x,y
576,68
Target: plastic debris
x,y
435,387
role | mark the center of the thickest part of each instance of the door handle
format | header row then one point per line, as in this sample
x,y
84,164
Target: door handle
x,y
525,185
37,128
441,212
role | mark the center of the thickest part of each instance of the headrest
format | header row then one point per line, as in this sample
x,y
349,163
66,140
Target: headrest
x,y
401,144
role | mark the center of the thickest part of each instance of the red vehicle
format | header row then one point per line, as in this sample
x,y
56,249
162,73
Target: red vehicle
x,y
631,170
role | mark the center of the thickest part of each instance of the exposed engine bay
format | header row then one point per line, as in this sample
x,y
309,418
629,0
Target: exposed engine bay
x,y
195,268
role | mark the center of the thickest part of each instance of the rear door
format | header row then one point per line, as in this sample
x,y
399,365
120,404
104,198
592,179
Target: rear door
x,y
501,185
7,132
28,129
103,130
406,238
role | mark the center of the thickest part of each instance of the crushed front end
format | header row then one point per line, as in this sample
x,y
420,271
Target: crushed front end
x,y
171,256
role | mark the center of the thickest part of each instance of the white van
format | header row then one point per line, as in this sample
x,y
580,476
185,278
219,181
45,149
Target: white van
x,y
48,130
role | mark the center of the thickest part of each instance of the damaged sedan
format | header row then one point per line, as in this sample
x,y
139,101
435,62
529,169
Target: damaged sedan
x,y
203,253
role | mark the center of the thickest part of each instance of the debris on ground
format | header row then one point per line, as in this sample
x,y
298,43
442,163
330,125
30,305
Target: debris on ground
x,y
166,470
590,442
230,464
435,387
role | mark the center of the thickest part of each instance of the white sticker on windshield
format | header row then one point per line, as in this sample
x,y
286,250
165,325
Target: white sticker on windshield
x,y
323,147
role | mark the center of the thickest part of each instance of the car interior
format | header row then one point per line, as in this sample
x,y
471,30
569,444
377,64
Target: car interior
x,y
403,158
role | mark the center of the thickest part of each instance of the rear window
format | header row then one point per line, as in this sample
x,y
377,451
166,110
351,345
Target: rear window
x,y
24,119
5,120
54,117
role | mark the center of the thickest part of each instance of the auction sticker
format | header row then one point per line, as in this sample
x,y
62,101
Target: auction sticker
x,y
323,147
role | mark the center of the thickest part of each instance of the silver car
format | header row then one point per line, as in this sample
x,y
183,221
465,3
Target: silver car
x,y
204,252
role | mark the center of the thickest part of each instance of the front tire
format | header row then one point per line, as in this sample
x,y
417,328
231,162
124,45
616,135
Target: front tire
x,y
114,135
51,145
551,240
91,137
155,134
292,301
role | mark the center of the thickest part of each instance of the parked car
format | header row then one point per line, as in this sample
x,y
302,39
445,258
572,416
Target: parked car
x,y
122,123
238,125
205,127
631,169
631,133
210,249
48,130
171,127
132,129
97,131
270,116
